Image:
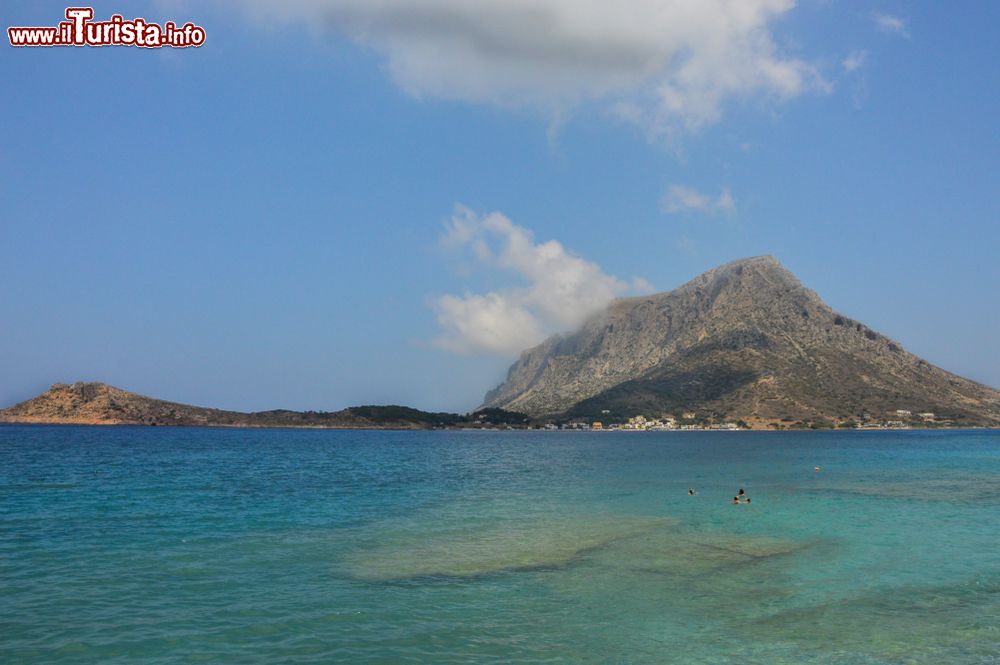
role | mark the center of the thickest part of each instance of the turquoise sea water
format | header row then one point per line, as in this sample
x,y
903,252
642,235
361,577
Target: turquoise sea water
x,y
154,545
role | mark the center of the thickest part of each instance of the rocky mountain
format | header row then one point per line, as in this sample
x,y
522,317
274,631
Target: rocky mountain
x,y
101,404
743,341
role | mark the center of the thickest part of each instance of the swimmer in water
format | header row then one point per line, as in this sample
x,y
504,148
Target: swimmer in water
x,y
740,493
748,499
736,500
690,492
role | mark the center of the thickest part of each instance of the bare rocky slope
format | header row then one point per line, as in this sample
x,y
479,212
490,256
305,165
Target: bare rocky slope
x,y
743,341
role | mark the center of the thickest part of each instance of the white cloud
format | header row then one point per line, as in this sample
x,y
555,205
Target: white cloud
x,y
854,61
560,290
852,65
891,24
688,246
681,199
493,322
665,64
642,286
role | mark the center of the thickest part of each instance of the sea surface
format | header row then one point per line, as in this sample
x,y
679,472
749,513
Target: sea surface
x,y
159,545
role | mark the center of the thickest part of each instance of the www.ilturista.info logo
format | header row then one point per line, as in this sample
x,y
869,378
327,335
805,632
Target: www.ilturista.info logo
x,y
81,30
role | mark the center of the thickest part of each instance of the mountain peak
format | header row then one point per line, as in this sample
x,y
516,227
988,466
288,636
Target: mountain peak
x,y
762,260
743,340
766,264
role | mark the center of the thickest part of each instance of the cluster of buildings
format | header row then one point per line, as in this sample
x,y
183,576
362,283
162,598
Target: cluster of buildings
x,y
576,424
665,423
898,419
639,424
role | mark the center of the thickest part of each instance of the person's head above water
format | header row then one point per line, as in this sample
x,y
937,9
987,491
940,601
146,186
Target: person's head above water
x,y
691,492
748,499
736,499
741,493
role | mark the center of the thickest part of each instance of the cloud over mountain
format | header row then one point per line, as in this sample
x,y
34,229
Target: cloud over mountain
x,y
559,289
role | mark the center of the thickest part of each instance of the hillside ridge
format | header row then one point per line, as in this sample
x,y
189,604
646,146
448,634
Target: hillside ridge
x,y
94,403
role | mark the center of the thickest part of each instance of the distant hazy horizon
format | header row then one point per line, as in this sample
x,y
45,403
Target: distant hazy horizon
x,y
333,203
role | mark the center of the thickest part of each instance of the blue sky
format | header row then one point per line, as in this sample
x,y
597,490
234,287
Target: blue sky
x,y
335,203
